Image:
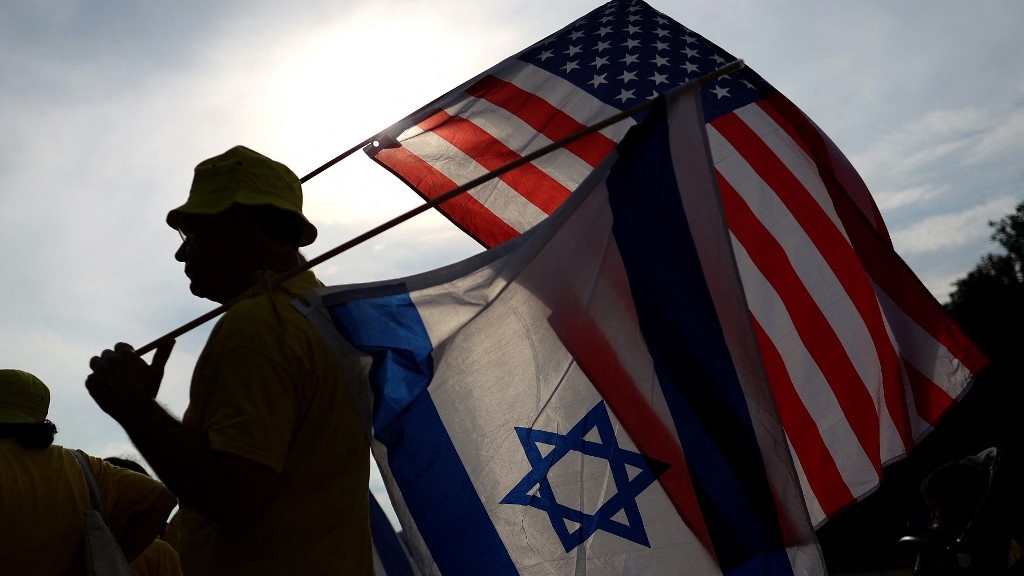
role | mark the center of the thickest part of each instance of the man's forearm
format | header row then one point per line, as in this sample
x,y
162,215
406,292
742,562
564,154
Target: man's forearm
x,y
141,529
178,455
221,486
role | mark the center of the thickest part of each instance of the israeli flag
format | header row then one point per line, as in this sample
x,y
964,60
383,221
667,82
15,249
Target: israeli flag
x,y
587,398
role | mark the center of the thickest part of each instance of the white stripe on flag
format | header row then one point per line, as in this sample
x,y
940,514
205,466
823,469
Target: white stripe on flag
x,y
810,384
568,98
510,206
562,165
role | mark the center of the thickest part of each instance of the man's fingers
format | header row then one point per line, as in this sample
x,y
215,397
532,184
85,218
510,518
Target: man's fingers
x,y
163,352
96,385
123,370
100,362
108,356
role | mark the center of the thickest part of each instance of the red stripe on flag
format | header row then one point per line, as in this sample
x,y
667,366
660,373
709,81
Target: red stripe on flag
x,y
464,211
819,465
597,359
816,334
839,175
931,402
873,247
540,115
837,253
900,284
528,180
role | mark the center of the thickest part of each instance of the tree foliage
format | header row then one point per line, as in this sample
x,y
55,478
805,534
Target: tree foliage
x,y
988,303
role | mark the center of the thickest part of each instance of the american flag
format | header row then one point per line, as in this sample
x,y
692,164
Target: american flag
x,y
862,360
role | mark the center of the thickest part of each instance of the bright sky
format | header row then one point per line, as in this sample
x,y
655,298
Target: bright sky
x,y
106,107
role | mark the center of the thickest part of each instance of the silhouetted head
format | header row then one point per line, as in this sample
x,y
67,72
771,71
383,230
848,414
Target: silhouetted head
x,y
243,215
24,403
127,464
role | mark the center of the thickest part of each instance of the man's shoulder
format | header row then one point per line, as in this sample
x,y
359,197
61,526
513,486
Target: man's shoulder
x,y
270,303
265,318
262,307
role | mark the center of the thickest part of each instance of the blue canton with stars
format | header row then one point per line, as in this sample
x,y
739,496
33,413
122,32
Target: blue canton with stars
x,y
626,52
535,491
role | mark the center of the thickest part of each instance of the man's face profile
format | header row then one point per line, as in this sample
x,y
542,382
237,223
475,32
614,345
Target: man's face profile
x,y
217,251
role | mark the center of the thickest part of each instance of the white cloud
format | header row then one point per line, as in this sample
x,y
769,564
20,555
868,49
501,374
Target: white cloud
x,y
906,197
944,232
918,145
1004,140
941,287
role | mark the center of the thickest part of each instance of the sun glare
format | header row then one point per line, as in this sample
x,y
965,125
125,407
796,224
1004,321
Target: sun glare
x,y
345,82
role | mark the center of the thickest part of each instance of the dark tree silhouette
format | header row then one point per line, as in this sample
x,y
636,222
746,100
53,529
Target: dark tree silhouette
x,y
989,302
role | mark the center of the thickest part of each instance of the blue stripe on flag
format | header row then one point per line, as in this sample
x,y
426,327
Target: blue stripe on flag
x,y
390,330
435,485
389,549
678,320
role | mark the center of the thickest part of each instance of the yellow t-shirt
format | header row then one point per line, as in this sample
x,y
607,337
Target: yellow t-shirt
x,y
268,388
158,559
43,495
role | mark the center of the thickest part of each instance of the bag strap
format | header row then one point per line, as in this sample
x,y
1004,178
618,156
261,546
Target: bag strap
x,y
96,500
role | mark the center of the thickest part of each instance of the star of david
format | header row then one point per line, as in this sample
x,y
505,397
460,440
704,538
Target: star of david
x,y
535,491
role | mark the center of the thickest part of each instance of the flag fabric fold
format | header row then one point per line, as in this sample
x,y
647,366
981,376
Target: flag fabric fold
x,y
588,397
390,557
861,358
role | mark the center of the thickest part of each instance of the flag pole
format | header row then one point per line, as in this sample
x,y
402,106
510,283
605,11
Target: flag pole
x,y
434,202
337,159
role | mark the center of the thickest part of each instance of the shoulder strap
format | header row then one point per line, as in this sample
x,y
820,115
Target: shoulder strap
x,y
94,490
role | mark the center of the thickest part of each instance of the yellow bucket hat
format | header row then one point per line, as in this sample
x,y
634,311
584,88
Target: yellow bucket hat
x,y
24,399
243,176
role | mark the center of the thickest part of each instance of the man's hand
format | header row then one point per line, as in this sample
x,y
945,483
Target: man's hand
x,y
121,381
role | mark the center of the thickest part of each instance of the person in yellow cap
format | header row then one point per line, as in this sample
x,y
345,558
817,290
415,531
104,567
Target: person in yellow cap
x,y
270,461
44,494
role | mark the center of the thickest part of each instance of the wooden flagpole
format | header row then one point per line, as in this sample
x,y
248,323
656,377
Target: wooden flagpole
x,y
696,82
